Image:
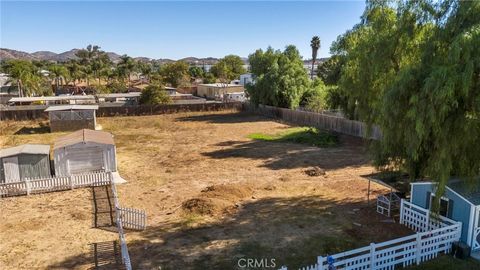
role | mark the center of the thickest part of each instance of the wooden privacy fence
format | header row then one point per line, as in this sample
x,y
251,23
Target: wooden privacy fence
x,y
41,185
19,113
318,120
432,238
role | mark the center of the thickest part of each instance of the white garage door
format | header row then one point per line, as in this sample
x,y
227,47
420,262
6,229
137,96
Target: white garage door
x,y
85,159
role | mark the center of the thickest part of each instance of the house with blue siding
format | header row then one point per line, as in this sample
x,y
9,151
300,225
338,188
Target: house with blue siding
x,y
460,202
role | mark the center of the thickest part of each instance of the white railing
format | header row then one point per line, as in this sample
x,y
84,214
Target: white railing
x,y
476,239
387,203
420,219
413,249
41,185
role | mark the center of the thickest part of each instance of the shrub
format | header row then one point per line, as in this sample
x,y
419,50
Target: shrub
x,y
154,94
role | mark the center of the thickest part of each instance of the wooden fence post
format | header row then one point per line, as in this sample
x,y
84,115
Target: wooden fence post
x,y
419,248
372,256
320,263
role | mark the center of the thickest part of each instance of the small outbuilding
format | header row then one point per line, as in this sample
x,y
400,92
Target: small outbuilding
x,y
72,117
84,151
27,161
218,90
460,202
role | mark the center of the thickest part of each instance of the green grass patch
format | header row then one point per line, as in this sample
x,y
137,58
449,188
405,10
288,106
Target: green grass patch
x,y
302,135
447,263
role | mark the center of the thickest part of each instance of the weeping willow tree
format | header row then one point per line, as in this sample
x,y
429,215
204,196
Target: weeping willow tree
x,y
413,68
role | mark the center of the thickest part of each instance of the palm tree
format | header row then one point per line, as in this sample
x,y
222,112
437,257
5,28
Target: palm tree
x,y
315,44
93,60
146,69
58,73
126,67
74,71
25,76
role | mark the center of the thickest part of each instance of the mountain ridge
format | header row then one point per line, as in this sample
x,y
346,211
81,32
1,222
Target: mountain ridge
x,y
9,54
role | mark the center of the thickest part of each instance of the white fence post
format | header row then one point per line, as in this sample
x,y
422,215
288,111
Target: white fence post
x,y
27,185
72,184
320,263
419,248
402,208
427,220
372,256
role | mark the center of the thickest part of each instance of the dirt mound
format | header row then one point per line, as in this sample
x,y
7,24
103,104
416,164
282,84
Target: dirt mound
x,y
217,199
315,171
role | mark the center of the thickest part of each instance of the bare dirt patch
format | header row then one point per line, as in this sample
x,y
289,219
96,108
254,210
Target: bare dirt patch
x,y
217,199
212,195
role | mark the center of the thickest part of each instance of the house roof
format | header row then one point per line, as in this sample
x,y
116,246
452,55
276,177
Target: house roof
x,y
83,136
221,85
120,95
25,149
51,98
469,192
71,107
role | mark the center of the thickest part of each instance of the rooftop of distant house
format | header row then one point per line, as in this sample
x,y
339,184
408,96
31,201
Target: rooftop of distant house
x,y
220,85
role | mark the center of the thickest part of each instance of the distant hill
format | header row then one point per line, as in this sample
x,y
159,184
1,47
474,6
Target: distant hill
x,y
8,54
13,54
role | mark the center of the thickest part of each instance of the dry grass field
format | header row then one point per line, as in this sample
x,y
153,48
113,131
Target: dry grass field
x,y
212,196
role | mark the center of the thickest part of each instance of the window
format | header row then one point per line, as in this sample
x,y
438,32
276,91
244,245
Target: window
x,y
444,205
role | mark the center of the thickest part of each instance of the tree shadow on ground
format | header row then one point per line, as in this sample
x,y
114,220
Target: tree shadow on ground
x,y
292,230
40,129
225,118
282,155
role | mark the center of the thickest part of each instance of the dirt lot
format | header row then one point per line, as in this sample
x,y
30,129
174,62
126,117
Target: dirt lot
x,y
212,196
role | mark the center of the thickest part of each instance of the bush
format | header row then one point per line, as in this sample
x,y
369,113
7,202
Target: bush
x,y
154,94
209,78
117,87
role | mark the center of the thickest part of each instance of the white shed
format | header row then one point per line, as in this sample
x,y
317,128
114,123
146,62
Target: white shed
x,y
84,151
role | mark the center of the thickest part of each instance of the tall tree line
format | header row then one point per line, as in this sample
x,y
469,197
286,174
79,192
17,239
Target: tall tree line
x,y
413,68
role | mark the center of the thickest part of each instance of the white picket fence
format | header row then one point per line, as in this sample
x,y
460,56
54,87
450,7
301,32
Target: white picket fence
x,y
41,185
434,236
128,218
132,218
121,235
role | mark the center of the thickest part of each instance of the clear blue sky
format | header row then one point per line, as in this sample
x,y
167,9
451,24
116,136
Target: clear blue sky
x,y
175,29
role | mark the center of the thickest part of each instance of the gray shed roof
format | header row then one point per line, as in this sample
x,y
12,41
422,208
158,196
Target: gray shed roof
x,y
471,193
84,135
25,149
71,107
